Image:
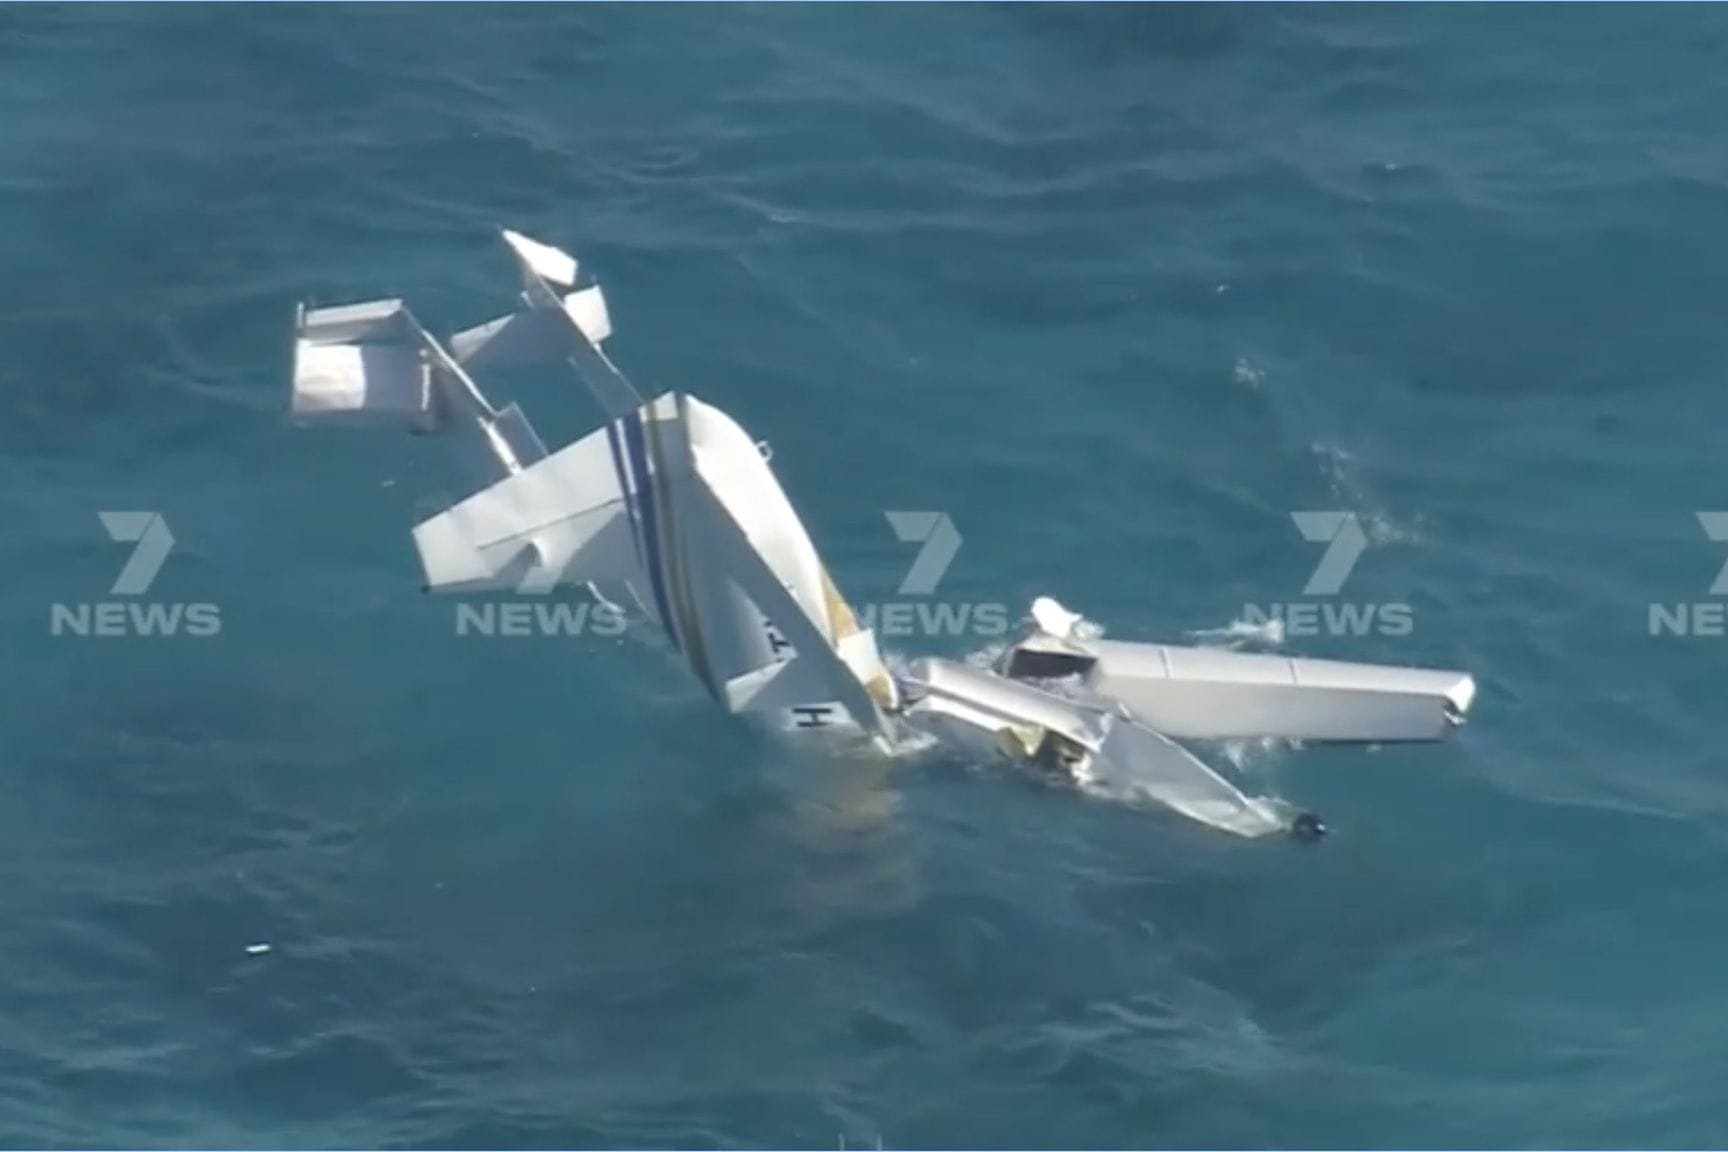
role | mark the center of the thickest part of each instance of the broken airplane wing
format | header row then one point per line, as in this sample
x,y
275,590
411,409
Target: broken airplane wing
x,y
1208,694
670,498
673,502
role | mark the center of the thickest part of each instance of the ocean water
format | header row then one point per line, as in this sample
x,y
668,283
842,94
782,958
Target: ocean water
x,y
1117,289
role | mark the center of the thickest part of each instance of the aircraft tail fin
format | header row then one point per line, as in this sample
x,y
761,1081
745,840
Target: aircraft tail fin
x,y
559,321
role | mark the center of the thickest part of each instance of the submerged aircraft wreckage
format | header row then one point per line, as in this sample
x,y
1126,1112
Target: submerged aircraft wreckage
x,y
672,508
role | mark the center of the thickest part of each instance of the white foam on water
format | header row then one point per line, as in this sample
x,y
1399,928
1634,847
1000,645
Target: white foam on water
x,y
1267,633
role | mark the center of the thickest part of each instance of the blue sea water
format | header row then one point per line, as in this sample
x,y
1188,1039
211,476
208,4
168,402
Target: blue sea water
x,y
1117,289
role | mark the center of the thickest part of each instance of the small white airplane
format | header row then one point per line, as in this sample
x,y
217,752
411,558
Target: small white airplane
x,y
672,507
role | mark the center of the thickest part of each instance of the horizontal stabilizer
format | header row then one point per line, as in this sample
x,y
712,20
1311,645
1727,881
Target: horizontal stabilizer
x,y
361,365
519,340
562,520
535,337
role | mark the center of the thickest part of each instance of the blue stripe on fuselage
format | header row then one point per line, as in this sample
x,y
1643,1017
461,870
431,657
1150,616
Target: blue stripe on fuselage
x,y
637,455
624,490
